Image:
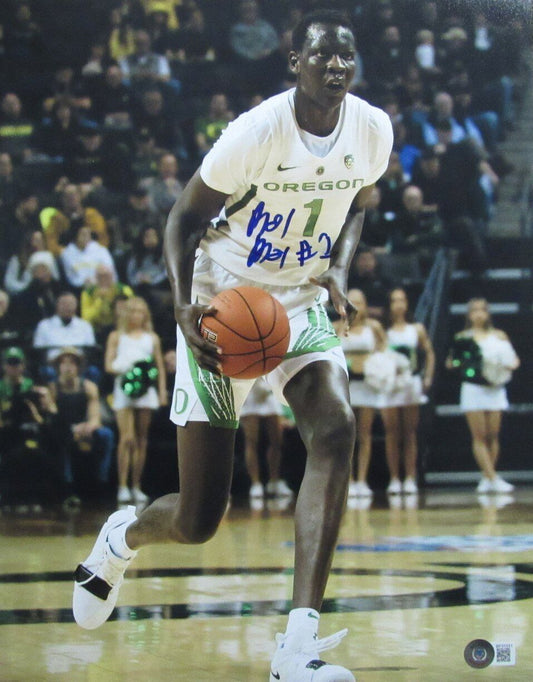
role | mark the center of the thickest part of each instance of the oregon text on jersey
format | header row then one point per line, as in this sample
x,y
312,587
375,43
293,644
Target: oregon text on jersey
x,y
324,185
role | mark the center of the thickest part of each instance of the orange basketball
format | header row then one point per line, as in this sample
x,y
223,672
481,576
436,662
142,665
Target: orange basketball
x,y
252,329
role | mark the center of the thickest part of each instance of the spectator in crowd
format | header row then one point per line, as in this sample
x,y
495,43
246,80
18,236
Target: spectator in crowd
x,y
24,48
65,86
388,60
9,185
146,266
64,222
401,412
146,155
377,229
112,99
80,434
81,257
134,216
98,301
254,45
262,412
208,128
98,160
132,342
63,328
97,62
192,43
9,333
153,116
16,130
365,274
147,275
364,337
408,153
164,189
415,230
18,276
426,175
38,300
27,420
58,132
392,184
463,202
18,222
443,111
144,68
425,53
121,41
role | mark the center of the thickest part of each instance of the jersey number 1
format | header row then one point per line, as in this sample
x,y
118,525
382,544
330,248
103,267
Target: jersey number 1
x,y
316,207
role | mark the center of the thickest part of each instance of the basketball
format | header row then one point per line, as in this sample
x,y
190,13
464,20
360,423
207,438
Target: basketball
x,y
252,329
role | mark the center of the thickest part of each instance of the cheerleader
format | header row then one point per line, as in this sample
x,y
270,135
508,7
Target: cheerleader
x,y
364,337
401,412
485,358
133,343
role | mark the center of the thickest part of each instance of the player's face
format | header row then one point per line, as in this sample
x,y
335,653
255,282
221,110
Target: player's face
x,y
326,64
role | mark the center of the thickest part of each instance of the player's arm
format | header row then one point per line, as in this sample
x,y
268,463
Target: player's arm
x,y
335,278
186,225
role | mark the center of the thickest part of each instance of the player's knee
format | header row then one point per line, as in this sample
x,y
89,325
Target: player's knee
x,y
336,431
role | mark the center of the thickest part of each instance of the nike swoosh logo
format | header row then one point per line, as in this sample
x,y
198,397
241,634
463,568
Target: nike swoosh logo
x,y
284,168
276,676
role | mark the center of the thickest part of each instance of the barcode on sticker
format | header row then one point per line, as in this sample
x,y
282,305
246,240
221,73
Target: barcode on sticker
x,y
505,653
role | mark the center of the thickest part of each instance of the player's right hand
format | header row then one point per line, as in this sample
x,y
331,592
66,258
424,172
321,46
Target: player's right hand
x,y
206,353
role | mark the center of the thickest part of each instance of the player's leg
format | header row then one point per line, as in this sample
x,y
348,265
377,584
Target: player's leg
x,y
192,516
205,462
318,396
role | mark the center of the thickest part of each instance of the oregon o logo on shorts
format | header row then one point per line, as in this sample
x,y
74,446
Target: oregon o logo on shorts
x,y
181,400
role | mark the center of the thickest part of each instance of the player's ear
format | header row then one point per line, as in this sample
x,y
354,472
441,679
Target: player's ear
x,y
294,62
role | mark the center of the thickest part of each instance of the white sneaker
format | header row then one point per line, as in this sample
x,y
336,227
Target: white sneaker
x,y
363,490
302,663
395,487
99,577
123,494
484,486
139,497
256,490
282,489
353,489
410,487
501,486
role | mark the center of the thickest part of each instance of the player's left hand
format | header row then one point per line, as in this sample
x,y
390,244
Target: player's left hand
x,y
333,281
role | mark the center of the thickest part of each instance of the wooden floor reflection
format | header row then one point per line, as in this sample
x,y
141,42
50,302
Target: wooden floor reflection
x,y
414,580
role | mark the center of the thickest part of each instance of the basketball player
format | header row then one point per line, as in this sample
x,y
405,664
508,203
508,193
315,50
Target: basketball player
x,y
287,182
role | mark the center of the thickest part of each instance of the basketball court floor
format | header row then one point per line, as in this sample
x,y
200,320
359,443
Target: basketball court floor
x,y
415,580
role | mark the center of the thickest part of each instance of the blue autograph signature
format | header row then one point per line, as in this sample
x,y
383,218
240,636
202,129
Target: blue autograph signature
x,y
262,223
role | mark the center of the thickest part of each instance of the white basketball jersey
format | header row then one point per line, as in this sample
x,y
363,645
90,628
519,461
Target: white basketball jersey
x,y
286,205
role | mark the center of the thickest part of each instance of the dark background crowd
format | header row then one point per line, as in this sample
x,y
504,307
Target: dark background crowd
x,y
108,106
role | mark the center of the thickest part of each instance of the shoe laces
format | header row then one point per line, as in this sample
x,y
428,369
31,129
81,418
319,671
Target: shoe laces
x,y
317,645
111,569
